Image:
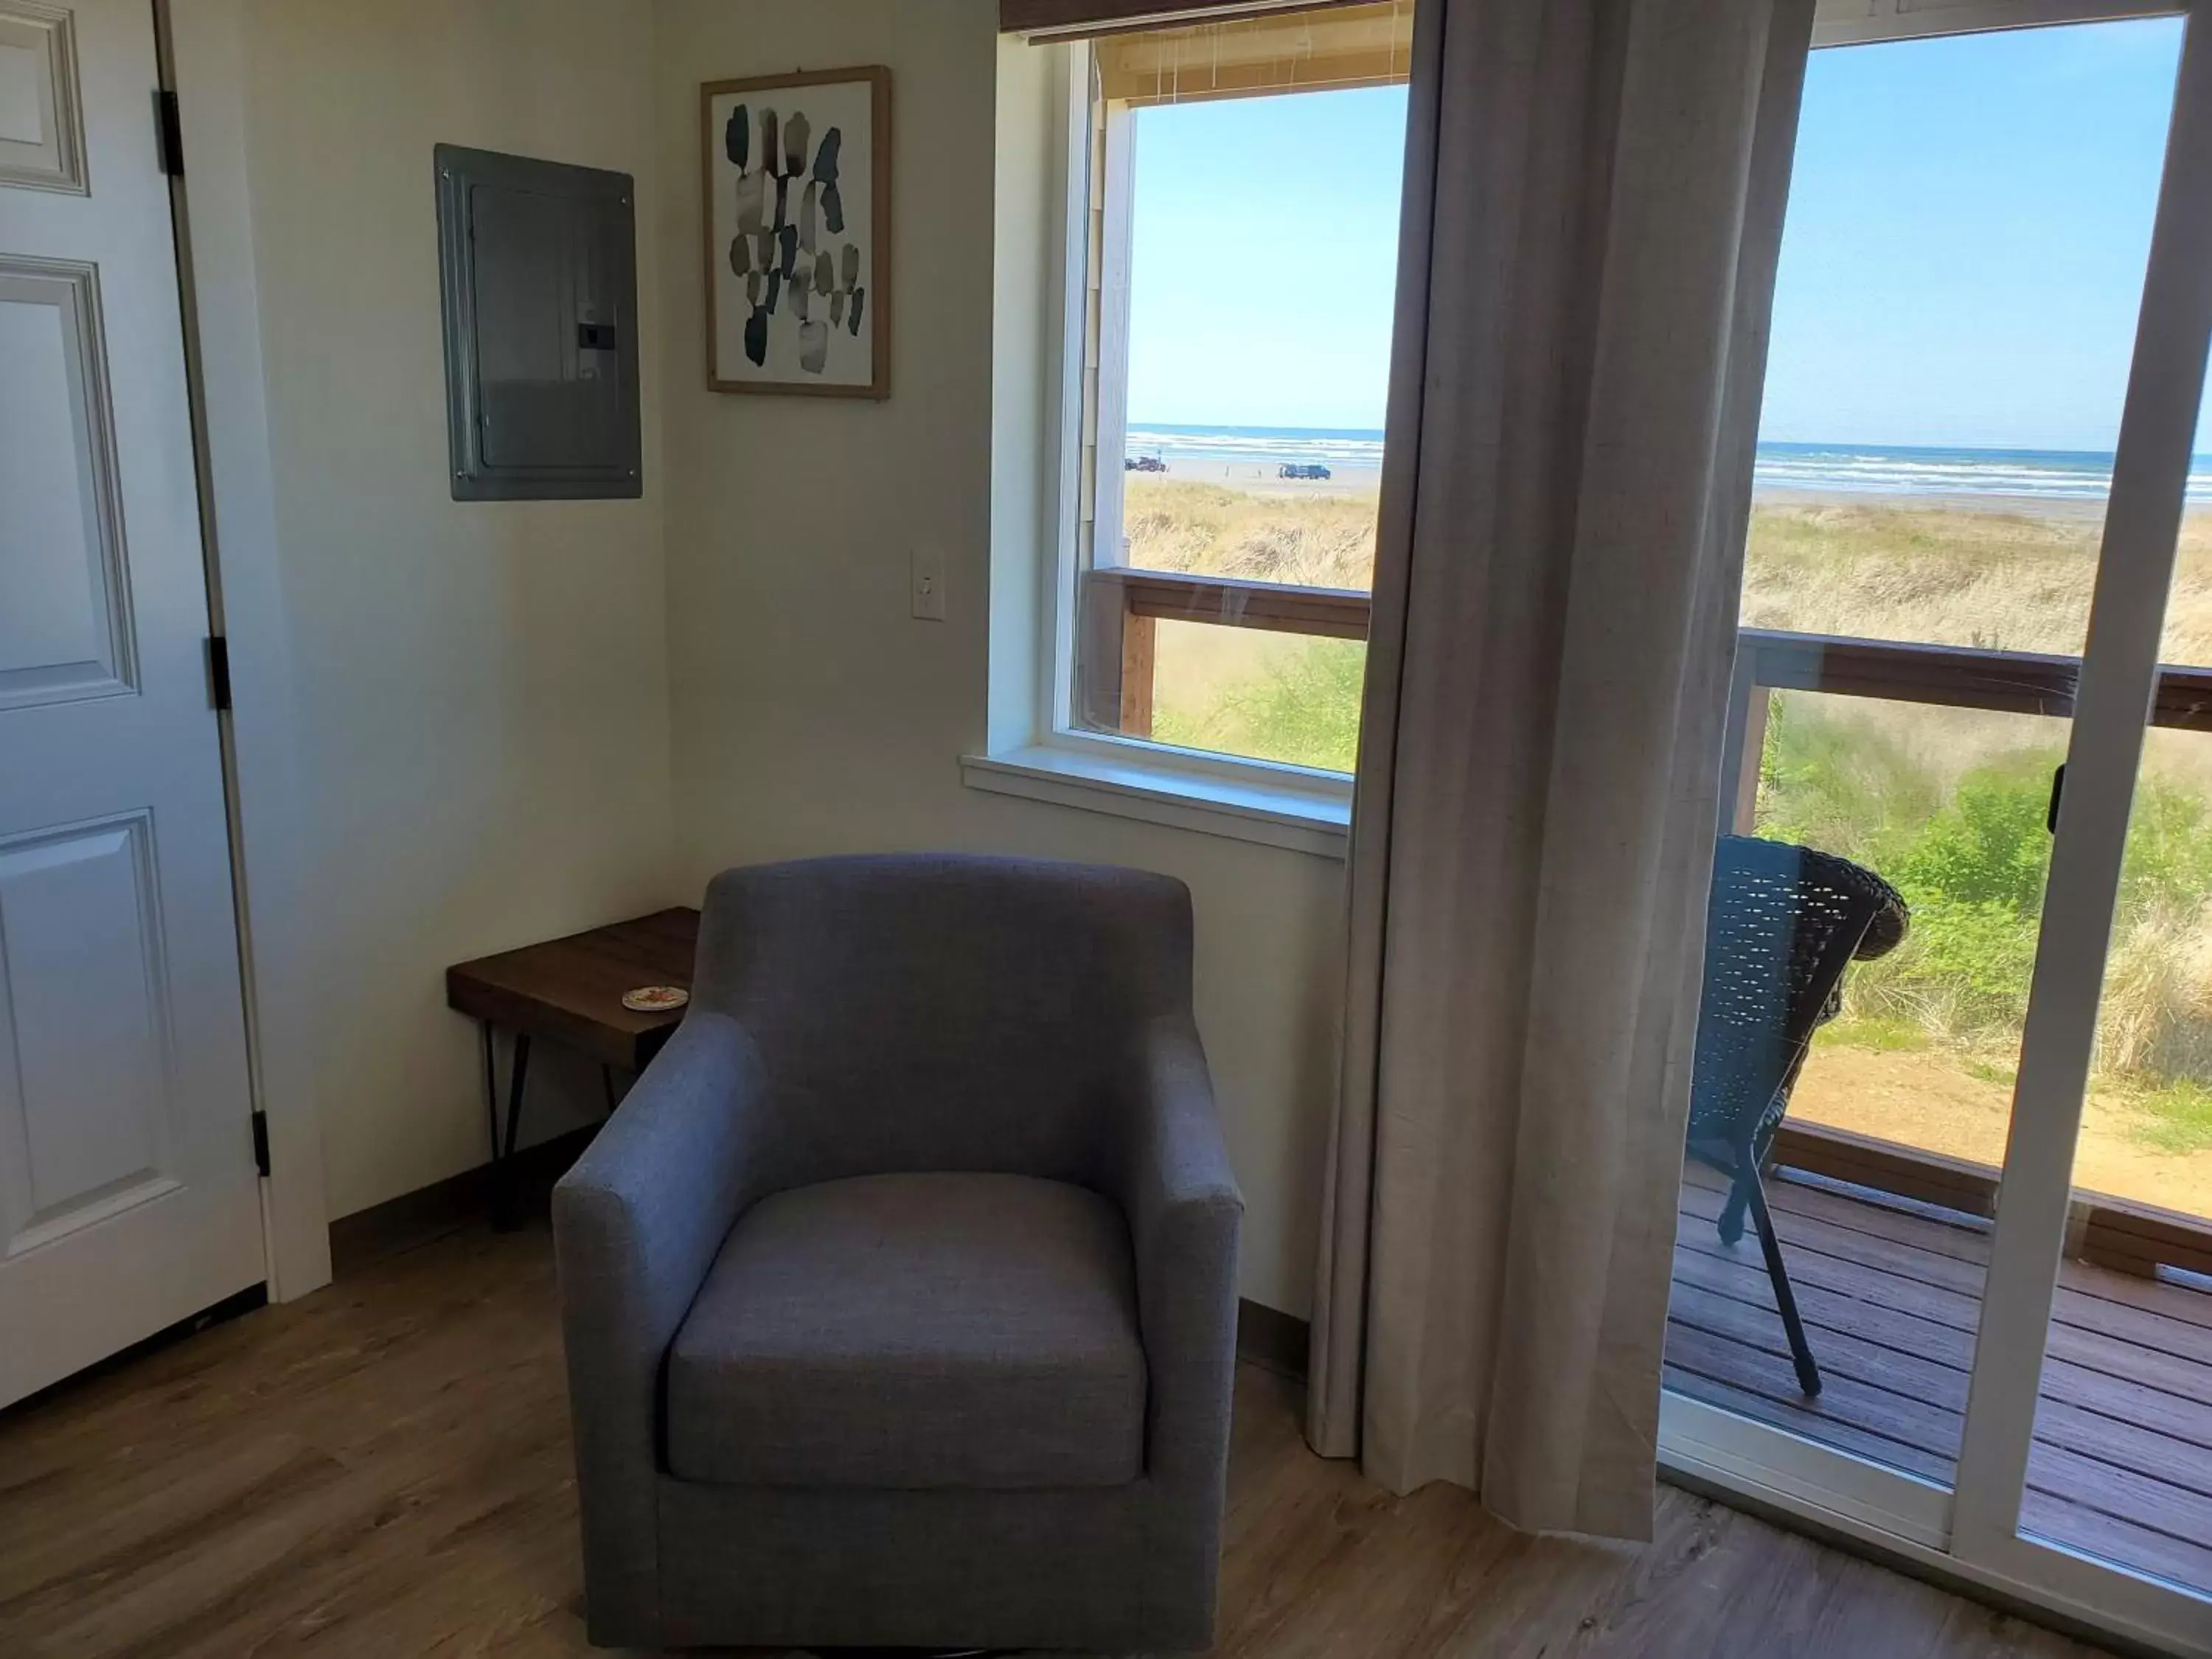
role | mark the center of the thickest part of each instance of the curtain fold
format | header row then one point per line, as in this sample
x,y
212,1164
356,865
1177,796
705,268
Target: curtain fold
x,y
1594,196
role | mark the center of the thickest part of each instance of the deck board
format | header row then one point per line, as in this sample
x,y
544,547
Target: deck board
x,y
2121,1463
1826,1309
2083,1280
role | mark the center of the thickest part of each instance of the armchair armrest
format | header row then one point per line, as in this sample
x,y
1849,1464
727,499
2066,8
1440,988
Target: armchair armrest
x,y
1179,1198
636,1223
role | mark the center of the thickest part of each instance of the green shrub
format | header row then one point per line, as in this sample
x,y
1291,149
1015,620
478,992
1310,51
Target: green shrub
x,y
1972,866
1848,787
1973,876
1979,954
2169,856
1303,710
1988,846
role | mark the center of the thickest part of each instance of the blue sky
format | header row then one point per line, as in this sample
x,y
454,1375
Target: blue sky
x,y
1968,223
1264,243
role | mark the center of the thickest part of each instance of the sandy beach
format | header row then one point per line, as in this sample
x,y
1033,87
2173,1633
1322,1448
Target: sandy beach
x,y
1259,478
2072,509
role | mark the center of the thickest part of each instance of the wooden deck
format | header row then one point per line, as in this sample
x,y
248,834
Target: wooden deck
x,y
2122,1465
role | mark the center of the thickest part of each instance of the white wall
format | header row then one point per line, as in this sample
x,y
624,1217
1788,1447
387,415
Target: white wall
x,y
478,692
812,713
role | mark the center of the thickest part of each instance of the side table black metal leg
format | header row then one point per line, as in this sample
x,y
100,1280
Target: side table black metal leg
x,y
491,1087
502,1174
607,1084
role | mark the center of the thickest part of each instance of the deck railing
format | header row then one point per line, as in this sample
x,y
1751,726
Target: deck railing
x,y
1123,607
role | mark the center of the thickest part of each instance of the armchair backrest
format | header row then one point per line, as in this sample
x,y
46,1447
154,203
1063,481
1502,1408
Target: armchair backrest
x,y
940,1012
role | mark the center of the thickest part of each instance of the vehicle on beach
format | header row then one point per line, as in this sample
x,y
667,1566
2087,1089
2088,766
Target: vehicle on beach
x,y
1143,464
1301,470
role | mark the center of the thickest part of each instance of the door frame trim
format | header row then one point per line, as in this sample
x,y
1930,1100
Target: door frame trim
x,y
204,53
1702,1440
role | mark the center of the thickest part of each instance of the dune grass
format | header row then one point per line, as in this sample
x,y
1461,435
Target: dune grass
x,y
2005,581
1947,803
1312,540
1273,697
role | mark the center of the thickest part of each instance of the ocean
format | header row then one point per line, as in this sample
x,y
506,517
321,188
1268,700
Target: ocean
x,y
1867,469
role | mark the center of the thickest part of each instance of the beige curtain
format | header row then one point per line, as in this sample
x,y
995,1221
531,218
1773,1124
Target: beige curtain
x,y
1594,200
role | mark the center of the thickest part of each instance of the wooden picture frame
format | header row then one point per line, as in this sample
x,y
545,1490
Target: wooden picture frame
x,y
772,325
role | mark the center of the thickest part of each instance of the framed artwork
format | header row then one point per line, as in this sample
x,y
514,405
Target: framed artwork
x,y
798,178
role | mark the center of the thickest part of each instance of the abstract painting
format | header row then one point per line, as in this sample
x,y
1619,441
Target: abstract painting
x,y
798,220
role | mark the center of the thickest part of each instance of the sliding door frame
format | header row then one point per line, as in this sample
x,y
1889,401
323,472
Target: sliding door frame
x,y
2111,711
1970,1533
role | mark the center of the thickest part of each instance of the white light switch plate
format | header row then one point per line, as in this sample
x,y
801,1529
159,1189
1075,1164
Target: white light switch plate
x,y
928,584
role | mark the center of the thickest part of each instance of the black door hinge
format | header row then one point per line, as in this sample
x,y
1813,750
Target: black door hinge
x,y
169,132
261,1142
218,649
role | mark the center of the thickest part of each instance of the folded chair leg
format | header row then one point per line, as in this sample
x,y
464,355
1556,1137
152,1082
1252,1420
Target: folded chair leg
x,y
1809,1374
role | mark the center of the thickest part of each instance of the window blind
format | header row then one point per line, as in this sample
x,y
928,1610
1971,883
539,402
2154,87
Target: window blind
x,y
1366,45
1072,20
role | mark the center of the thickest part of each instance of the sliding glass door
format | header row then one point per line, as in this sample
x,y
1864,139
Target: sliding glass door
x,y
2089,1463
1940,1276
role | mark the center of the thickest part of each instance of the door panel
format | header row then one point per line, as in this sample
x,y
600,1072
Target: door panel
x,y
41,141
62,634
83,1039
129,1198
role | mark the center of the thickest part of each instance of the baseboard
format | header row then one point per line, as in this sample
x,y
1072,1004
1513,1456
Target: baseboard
x,y
445,1207
1267,1337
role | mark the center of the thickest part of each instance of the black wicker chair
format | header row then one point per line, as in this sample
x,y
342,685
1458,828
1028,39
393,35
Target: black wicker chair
x,y
1782,926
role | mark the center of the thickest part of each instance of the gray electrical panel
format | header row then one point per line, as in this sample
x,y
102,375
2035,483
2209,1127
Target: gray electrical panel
x,y
539,273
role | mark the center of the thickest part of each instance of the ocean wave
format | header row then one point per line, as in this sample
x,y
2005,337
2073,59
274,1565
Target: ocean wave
x,y
1874,469
1263,448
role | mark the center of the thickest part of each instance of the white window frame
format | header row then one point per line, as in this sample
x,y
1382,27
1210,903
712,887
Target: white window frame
x,y
1061,759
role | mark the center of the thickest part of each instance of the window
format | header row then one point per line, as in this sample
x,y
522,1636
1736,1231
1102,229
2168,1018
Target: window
x,y
1241,224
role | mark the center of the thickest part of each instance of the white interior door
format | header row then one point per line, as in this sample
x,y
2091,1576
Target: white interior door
x,y
129,1196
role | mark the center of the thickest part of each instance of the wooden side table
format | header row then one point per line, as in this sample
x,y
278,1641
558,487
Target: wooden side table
x,y
569,992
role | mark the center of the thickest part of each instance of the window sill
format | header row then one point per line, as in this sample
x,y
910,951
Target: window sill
x,y
1291,813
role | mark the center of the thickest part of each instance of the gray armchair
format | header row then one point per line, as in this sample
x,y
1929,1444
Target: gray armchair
x,y
900,1294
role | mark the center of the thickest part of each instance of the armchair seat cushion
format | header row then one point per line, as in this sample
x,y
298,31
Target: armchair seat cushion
x,y
914,1331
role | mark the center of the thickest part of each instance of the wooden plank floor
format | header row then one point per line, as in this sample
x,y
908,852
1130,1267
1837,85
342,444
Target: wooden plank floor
x,y
2121,1463
382,1470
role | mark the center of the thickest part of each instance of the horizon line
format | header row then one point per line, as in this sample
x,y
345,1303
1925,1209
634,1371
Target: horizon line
x,y
1135,425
